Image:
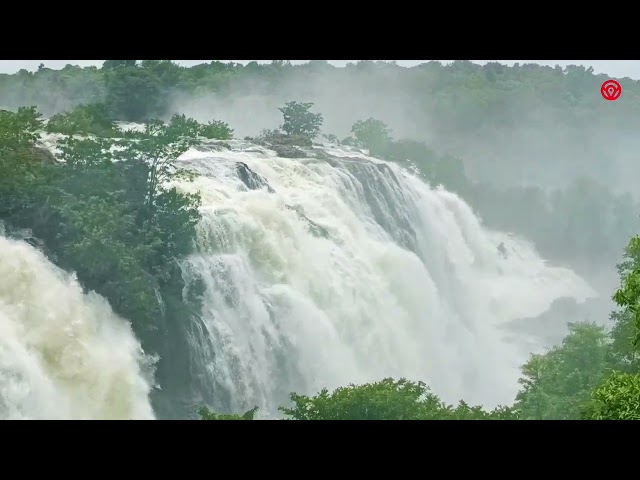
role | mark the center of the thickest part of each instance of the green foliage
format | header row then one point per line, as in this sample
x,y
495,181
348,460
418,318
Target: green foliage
x,y
111,64
469,101
626,330
593,375
21,168
623,335
19,130
217,129
93,119
134,94
591,223
372,134
557,385
206,414
585,224
385,400
298,120
182,126
167,72
628,295
109,214
617,398
435,169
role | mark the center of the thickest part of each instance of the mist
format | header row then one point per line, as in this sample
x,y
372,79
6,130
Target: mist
x,y
342,98
490,220
542,148
522,143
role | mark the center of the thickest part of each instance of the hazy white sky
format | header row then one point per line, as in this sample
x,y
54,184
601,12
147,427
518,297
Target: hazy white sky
x,y
615,68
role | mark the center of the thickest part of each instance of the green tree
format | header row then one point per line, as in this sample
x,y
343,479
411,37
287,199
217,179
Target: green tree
x,y
623,335
558,384
122,229
384,400
628,295
182,126
21,165
372,134
298,120
134,94
626,330
19,130
206,414
111,64
92,119
109,214
159,147
617,398
217,129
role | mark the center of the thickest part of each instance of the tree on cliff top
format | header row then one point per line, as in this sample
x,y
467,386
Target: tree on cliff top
x,y
298,120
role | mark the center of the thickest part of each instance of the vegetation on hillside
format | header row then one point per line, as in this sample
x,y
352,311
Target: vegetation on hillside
x,y
593,374
585,224
474,105
104,208
482,113
299,120
463,94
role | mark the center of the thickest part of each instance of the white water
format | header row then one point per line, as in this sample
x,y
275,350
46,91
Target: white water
x,y
63,354
290,311
286,310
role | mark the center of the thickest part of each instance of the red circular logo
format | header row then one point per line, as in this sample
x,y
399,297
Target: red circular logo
x,y
611,90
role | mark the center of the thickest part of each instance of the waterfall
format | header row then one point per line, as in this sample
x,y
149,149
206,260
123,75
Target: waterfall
x,y
340,268
63,354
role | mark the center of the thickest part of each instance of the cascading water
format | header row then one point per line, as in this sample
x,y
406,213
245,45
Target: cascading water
x,y
320,272
63,354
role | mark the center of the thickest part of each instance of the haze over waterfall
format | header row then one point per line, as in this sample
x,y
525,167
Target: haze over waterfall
x,y
286,241
344,268
317,272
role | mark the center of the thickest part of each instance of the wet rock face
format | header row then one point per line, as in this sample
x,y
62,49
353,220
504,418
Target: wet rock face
x,y
282,139
251,179
285,145
316,229
288,151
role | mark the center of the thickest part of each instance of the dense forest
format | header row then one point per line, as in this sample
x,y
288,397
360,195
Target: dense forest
x,y
105,208
534,145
